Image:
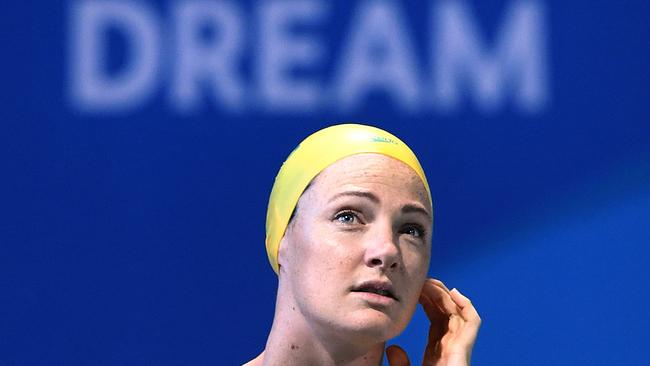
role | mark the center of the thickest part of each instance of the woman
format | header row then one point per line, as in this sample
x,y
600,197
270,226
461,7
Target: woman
x,y
349,234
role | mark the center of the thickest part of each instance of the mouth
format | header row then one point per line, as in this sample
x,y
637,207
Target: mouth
x,y
376,287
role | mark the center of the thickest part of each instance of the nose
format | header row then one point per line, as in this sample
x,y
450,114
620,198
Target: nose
x,y
382,250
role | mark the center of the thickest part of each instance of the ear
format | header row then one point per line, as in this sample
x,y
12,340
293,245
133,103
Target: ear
x,y
284,250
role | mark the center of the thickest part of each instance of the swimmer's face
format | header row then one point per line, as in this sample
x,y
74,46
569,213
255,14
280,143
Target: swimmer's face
x,y
356,255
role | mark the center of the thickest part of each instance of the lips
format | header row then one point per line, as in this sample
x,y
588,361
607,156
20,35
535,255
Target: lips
x,y
377,287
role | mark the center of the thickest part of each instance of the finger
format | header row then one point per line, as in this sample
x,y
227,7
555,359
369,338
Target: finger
x,y
460,299
397,356
467,310
437,329
434,311
469,315
439,283
436,292
434,289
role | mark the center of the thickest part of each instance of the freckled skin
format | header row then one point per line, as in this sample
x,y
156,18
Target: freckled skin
x,y
364,218
326,252
324,261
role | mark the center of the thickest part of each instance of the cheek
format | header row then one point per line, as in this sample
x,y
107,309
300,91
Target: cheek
x,y
317,257
323,272
328,260
416,258
417,268
326,268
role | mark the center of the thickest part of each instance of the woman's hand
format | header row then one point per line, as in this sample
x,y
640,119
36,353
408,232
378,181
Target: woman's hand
x,y
453,330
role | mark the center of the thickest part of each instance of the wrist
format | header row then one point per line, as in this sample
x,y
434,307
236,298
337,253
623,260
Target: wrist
x,y
455,359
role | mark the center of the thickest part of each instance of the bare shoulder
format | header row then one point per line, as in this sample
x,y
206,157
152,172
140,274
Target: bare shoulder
x,y
257,361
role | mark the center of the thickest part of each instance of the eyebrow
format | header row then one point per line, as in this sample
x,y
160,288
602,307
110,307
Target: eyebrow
x,y
410,208
363,194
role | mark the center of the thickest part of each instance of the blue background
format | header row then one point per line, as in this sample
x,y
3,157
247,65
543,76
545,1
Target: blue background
x,y
137,238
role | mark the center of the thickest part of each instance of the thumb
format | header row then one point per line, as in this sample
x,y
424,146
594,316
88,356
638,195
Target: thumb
x,y
397,356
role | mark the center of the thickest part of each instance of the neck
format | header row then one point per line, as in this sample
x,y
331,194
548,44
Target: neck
x,y
295,341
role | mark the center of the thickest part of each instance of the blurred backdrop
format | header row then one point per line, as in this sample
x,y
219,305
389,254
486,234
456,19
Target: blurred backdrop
x,y
140,140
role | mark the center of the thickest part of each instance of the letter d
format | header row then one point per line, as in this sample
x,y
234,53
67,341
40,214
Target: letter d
x,y
92,88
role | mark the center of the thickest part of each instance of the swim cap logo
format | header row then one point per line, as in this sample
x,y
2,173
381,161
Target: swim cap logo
x,y
384,139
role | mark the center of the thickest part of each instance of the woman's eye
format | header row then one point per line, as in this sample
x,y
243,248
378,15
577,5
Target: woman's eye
x,y
415,231
346,217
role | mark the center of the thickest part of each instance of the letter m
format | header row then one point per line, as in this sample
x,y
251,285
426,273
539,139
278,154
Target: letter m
x,y
516,63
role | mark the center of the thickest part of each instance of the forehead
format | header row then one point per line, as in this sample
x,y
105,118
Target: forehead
x,y
370,172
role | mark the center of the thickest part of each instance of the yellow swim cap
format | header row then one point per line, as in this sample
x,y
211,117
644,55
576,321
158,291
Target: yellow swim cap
x,y
317,152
